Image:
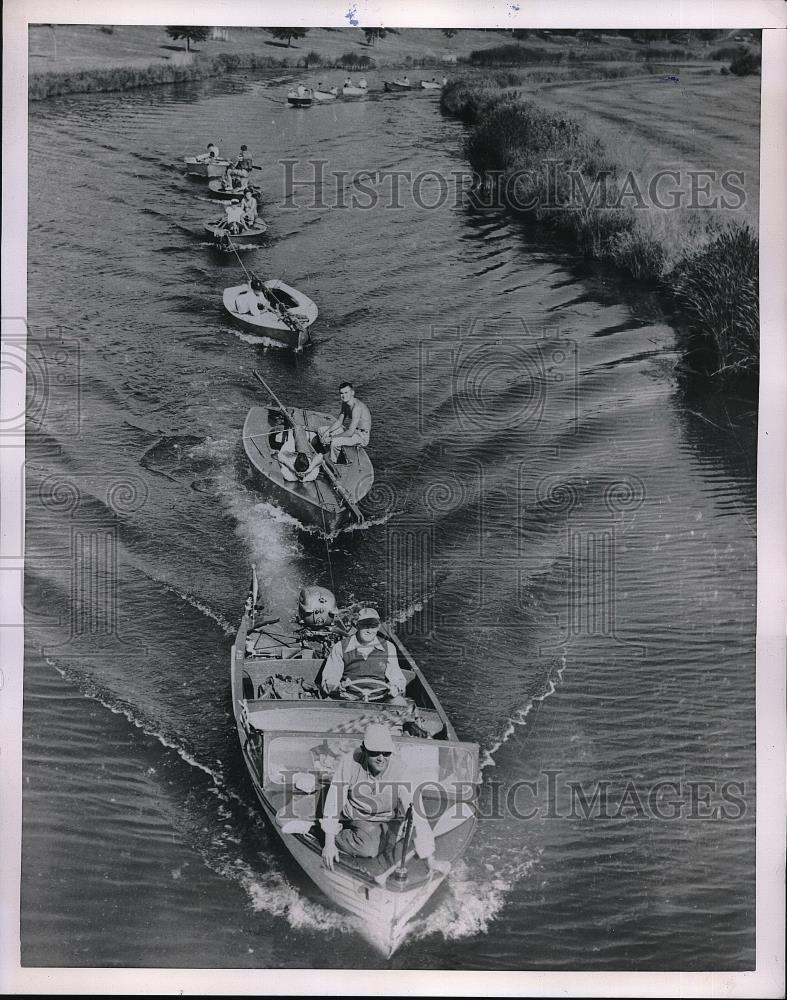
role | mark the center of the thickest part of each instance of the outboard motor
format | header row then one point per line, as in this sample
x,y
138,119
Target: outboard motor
x,y
316,606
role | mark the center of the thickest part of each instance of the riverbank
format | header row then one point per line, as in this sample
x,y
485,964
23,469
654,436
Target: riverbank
x,y
680,214
80,58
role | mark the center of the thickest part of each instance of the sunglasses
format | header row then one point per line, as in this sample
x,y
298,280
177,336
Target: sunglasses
x,y
378,753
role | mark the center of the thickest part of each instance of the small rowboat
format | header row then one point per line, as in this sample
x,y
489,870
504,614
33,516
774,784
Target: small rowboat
x,y
430,85
330,501
355,91
296,100
198,167
397,85
218,190
292,737
284,315
224,238
325,95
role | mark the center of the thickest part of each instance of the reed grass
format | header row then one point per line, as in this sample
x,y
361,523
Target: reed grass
x,y
709,270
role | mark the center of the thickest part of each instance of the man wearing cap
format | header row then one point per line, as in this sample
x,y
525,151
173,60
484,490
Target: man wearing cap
x,y
368,789
364,654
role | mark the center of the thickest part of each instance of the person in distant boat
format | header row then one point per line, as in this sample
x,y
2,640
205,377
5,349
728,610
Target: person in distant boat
x,y
211,154
370,787
362,83
348,82
351,427
251,299
406,81
249,207
234,213
364,654
301,90
296,467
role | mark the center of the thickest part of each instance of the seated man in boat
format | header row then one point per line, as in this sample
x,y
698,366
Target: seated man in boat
x,y
300,90
239,171
234,213
296,467
369,788
249,206
348,82
351,427
364,654
363,84
211,154
251,299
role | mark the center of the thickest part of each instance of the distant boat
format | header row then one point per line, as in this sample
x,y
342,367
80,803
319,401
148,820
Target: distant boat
x,y
291,738
355,91
224,238
396,85
283,315
219,190
299,100
431,85
325,95
198,167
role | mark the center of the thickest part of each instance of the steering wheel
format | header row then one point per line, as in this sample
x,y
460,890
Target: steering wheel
x,y
366,689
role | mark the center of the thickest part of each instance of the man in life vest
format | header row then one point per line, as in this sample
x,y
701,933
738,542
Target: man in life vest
x,y
351,427
370,787
364,654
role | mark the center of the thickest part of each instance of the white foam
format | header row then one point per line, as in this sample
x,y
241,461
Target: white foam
x,y
519,718
471,904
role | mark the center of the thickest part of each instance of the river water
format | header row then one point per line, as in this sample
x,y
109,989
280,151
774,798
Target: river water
x,y
564,537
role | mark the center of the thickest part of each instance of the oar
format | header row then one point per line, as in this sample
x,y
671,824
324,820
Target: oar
x,y
330,472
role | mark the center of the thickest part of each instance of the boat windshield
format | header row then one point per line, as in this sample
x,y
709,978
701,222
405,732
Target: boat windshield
x,y
443,770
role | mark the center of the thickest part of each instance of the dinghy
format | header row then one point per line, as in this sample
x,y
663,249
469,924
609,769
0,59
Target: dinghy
x,y
292,737
199,167
218,189
397,85
282,314
220,232
299,100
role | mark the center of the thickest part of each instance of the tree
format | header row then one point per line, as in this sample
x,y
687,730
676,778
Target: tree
x,y
372,34
189,32
288,33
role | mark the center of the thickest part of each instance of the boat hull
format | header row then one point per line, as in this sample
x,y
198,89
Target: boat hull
x,y
218,190
277,743
382,916
205,168
322,96
299,102
394,86
268,324
354,91
219,232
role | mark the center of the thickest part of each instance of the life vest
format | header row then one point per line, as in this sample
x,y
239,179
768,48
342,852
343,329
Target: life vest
x,y
356,666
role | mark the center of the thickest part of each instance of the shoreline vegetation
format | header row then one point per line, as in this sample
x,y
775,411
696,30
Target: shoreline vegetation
x,y
529,151
546,165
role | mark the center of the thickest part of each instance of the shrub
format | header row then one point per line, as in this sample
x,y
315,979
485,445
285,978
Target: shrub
x,y
746,63
107,29
312,59
350,60
717,287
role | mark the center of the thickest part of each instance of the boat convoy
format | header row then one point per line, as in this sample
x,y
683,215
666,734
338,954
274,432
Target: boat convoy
x,y
352,758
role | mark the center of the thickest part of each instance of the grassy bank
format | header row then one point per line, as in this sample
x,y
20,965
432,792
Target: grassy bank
x,y
541,162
